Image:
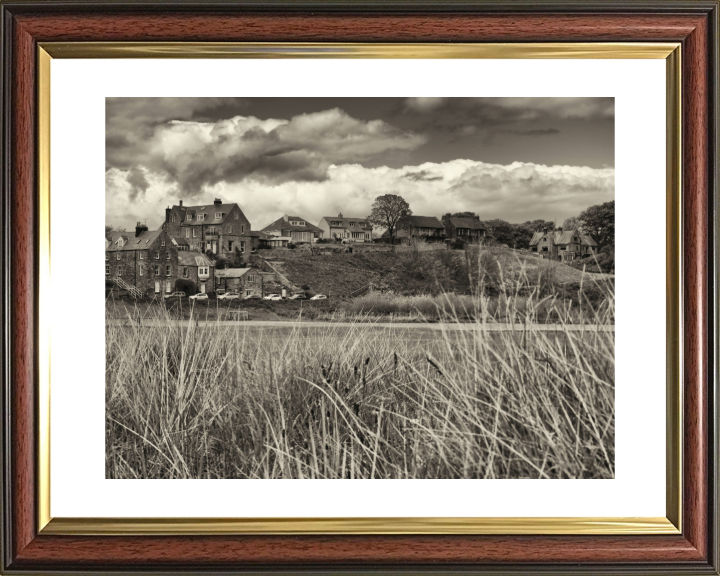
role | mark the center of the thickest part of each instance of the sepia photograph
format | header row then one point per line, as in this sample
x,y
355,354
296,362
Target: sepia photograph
x,y
360,288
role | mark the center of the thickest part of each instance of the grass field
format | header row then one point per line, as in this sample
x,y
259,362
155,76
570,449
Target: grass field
x,y
190,402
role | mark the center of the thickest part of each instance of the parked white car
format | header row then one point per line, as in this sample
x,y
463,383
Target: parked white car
x,y
273,297
200,296
297,297
319,297
229,296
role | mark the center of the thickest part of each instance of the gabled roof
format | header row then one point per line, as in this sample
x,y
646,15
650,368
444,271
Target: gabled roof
x,y
281,224
187,258
471,223
141,242
560,237
345,221
208,209
231,272
423,222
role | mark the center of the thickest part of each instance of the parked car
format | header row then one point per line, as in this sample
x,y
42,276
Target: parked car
x,y
297,297
319,297
229,296
273,297
252,297
175,294
200,296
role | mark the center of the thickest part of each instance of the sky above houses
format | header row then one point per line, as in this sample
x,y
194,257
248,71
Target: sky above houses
x,y
516,159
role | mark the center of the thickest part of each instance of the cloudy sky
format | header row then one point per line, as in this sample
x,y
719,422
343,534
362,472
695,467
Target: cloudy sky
x,y
512,158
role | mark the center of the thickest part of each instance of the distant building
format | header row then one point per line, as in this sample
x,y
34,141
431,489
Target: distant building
x,y
142,264
470,229
244,281
421,227
197,268
564,246
295,228
346,228
220,228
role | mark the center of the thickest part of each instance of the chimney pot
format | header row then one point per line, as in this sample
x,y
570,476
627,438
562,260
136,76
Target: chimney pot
x,y
181,203
218,201
140,228
340,215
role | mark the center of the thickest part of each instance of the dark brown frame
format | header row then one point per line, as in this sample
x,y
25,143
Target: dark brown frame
x,y
694,23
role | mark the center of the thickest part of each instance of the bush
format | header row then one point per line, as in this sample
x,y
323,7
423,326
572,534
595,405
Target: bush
x,y
291,246
187,286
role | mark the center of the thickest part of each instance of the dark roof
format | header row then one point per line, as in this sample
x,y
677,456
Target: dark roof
x,y
559,237
346,221
424,222
142,242
187,258
180,241
231,272
471,223
208,209
282,224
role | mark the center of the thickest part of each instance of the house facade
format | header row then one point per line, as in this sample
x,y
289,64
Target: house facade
x,y
293,228
145,263
244,281
469,229
346,228
198,268
421,227
564,246
220,228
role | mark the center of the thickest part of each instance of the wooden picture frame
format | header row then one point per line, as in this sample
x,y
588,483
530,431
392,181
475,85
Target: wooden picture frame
x,y
29,547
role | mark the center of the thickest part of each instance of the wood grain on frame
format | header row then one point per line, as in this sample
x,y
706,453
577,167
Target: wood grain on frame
x,y
695,28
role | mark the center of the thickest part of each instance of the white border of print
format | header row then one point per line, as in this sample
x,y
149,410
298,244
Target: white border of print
x,y
78,484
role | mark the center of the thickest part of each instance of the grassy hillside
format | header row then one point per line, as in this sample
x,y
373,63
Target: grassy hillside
x,y
411,271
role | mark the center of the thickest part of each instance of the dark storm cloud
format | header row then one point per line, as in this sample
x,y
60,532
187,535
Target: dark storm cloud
x,y
138,182
421,176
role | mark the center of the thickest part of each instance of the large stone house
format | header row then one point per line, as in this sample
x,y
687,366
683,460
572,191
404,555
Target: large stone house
x,y
142,264
564,246
293,229
220,228
346,228
421,227
198,268
469,229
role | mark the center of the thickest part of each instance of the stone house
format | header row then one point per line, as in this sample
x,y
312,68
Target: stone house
x,y
564,246
244,281
220,228
198,268
346,228
421,227
469,229
145,263
294,229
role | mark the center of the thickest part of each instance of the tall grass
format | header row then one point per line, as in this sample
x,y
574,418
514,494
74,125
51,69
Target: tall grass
x,y
456,401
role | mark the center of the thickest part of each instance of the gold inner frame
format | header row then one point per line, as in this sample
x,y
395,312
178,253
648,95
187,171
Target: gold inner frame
x,y
671,524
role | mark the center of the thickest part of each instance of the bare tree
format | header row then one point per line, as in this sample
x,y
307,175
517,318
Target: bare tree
x,y
387,211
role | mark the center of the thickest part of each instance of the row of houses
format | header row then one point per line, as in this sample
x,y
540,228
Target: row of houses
x,y
150,262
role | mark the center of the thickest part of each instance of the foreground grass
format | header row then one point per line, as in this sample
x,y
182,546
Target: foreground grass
x,y
225,402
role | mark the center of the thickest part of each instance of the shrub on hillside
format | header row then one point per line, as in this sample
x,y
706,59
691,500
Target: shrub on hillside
x,y
187,286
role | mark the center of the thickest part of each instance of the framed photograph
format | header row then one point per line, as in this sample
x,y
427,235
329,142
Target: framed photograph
x,y
362,308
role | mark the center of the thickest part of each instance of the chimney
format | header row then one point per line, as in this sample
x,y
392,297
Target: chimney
x,y
285,217
545,229
167,214
340,215
140,228
218,202
180,203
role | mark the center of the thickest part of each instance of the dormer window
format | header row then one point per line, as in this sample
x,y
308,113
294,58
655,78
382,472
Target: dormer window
x,y
162,242
297,223
352,223
189,217
219,215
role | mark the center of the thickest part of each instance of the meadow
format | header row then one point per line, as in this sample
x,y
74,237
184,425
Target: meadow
x,y
184,401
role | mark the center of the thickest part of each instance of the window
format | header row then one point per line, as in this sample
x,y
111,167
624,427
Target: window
x,y
168,287
189,217
162,243
172,218
142,270
251,277
120,270
230,229
544,248
242,229
142,256
242,247
167,255
185,272
237,216
106,256
107,269
230,245
219,215
194,232
168,270
187,232
157,269
203,271
336,223
117,256
352,223
201,217
157,255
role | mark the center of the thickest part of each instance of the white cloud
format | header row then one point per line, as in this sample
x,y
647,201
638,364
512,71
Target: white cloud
x,y
516,192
